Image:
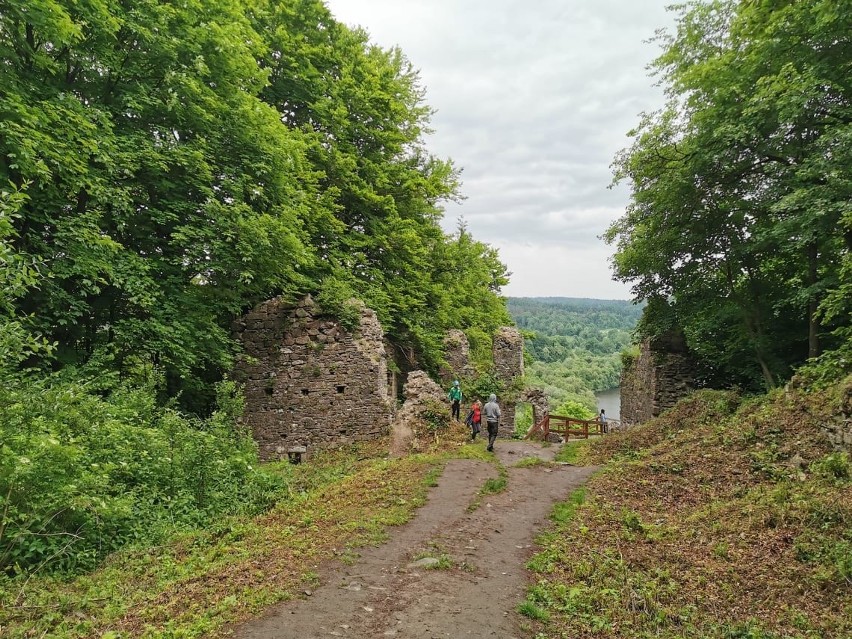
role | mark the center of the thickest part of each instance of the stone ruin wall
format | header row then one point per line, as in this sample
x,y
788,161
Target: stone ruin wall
x,y
421,394
308,381
662,375
508,351
457,357
508,357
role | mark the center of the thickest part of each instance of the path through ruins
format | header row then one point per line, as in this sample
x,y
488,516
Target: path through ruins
x,y
383,594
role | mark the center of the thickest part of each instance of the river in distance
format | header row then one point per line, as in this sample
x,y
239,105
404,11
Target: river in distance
x,y
610,401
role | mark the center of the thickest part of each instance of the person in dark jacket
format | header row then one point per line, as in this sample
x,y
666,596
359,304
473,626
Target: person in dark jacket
x,y
492,419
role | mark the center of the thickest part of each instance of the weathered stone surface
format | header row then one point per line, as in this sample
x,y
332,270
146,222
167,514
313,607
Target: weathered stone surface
x,y
308,382
457,355
421,394
508,352
662,375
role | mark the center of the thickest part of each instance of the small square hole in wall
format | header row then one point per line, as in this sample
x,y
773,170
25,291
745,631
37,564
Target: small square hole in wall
x,y
340,389
343,432
305,391
268,390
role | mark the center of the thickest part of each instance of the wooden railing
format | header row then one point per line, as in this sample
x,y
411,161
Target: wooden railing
x,y
569,427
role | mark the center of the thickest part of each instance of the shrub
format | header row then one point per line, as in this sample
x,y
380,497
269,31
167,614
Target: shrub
x,y
82,475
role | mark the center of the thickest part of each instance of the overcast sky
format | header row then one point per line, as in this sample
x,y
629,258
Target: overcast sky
x,y
533,100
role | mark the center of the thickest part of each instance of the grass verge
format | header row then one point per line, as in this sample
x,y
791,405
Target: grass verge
x,y
722,519
198,582
492,486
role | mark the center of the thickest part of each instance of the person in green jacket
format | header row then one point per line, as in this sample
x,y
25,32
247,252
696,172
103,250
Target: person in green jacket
x,y
455,396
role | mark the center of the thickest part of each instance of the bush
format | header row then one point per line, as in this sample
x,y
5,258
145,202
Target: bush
x,y
82,475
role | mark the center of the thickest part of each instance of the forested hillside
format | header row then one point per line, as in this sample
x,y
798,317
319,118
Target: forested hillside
x,y
575,346
164,167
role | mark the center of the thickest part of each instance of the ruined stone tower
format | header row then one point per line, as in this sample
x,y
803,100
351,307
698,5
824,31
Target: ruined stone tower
x,y
308,381
657,379
508,351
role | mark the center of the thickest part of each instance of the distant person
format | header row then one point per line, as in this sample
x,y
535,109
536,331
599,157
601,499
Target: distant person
x,y
474,419
492,419
455,396
604,428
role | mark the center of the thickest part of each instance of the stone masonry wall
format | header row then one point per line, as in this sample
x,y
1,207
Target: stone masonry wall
x,y
661,376
508,351
457,355
308,381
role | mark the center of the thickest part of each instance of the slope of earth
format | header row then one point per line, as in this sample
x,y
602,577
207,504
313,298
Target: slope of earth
x,y
339,504
725,517
456,570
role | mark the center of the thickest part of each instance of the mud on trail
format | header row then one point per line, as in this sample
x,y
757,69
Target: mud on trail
x,y
385,594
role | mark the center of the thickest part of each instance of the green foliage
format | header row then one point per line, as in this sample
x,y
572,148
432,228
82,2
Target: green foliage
x,y
571,408
484,385
82,475
529,609
183,162
340,501
835,466
572,452
164,167
494,485
436,416
576,343
17,276
523,419
739,226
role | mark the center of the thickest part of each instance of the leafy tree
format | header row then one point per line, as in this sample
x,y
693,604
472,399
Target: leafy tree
x,y
17,276
164,167
187,161
739,220
575,345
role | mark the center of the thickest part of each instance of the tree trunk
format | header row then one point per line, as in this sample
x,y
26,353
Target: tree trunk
x,y
813,303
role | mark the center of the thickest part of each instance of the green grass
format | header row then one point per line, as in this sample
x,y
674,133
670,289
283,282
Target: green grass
x,y
195,583
573,452
532,611
691,508
492,486
529,462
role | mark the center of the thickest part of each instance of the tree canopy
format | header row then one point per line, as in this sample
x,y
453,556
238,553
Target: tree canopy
x,y
574,346
163,168
181,162
740,224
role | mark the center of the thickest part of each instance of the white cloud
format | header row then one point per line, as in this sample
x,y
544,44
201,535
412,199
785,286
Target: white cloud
x,y
533,100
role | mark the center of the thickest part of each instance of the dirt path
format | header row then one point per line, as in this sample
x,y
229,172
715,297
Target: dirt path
x,y
384,595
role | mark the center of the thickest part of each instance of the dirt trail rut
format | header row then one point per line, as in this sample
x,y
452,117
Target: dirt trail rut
x,y
384,595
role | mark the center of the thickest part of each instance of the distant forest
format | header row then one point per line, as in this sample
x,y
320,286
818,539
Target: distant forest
x,y
573,344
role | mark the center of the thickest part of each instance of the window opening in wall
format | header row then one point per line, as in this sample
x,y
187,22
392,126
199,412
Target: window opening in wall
x,y
305,391
340,389
524,418
268,390
343,432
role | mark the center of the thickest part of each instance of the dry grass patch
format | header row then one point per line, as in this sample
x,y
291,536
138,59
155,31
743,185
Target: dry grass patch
x,y
709,531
